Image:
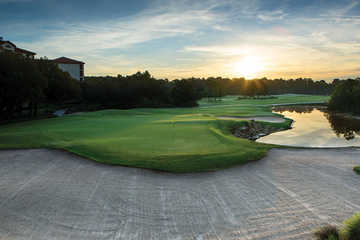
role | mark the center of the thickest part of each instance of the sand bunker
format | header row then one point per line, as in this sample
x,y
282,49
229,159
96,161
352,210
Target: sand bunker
x,y
55,195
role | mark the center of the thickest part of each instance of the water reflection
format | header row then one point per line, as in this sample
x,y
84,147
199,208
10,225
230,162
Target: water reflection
x,y
297,108
315,126
343,126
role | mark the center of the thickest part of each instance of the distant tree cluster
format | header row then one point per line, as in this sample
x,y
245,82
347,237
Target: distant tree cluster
x,y
139,90
25,83
142,90
264,86
346,96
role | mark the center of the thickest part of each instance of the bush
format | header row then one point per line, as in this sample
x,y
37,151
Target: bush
x,y
357,169
327,233
351,229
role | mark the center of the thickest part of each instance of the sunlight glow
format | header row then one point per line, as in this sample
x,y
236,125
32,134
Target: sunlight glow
x,y
249,67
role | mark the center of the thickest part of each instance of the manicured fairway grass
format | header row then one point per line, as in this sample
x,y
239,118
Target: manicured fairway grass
x,y
175,140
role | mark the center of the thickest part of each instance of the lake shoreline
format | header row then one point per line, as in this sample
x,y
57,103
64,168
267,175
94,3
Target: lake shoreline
x,y
316,126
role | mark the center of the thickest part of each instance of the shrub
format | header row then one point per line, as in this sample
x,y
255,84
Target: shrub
x,y
357,169
327,233
351,229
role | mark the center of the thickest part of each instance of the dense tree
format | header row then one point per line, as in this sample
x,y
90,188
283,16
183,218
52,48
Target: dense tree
x,y
26,82
60,85
183,94
214,88
21,85
256,87
137,90
346,96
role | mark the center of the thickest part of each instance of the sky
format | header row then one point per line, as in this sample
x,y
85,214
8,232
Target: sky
x,y
172,39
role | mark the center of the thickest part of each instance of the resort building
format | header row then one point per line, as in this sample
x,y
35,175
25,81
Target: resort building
x,y
9,46
73,67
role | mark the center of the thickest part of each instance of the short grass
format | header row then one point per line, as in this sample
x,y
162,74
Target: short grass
x,y
351,229
175,140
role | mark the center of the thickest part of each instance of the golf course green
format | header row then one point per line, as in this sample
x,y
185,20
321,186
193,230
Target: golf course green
x,y
174,139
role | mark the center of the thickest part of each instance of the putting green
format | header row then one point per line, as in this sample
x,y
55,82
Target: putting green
x,y
175,140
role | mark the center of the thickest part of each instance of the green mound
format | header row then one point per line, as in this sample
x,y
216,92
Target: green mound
x,y
175,140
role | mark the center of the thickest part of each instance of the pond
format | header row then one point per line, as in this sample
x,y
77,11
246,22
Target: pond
x,y
315,126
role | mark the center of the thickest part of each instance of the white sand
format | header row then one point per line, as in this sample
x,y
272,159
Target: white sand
x,y
52,195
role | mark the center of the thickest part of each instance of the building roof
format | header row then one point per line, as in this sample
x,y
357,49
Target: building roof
x,y
19,50
66,60
3,42
24,51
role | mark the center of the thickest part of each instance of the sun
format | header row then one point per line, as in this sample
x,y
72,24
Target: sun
x,y
249,67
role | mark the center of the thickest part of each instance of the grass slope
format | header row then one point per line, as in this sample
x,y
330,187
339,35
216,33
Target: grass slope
x,y
176,140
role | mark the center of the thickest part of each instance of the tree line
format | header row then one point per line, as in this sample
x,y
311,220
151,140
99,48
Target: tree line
x,y
346,96
141,89
29,84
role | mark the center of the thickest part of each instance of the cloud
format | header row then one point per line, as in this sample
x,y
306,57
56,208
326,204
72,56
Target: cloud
x,y
120,33
90,41
176,38
220,50
102,44
341,10
323,51
272,16
222,28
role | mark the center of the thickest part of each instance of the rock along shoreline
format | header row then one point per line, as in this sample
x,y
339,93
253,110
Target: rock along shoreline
x,y
253,130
